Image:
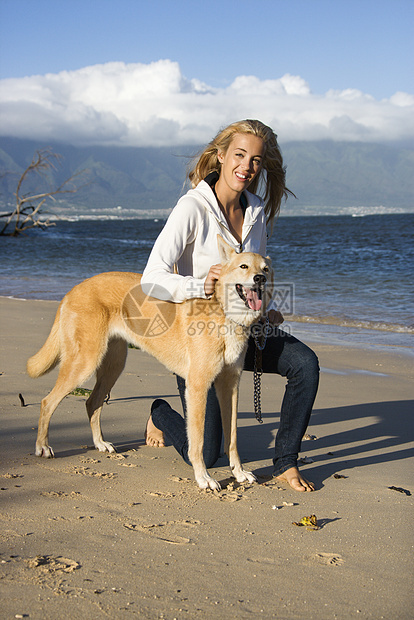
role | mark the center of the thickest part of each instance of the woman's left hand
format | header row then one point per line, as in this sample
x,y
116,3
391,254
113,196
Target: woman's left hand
x,y
275,317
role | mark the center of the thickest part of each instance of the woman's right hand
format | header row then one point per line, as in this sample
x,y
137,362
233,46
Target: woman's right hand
x,y
211,279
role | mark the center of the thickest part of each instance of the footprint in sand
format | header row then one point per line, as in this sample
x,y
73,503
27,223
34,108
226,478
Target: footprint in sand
x,y
89,459
61,494
179,479
166,495
85,471
330,559
11,476
121,458
166,531
263,560
231,492
53,564
224,496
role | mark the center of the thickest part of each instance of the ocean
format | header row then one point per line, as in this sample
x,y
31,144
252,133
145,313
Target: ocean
x,y
340,279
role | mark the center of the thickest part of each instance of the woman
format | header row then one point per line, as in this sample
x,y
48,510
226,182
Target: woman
x,y
185,264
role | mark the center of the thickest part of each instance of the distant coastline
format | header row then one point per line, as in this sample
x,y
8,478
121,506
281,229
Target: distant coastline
x,y
327,178
74,213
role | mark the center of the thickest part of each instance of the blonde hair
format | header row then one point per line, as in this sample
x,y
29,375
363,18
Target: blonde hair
x,y
269,184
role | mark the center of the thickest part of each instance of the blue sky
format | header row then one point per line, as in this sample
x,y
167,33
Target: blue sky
x,y
363,44
331,45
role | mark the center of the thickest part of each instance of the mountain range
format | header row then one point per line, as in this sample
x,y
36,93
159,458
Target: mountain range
x,y
325,176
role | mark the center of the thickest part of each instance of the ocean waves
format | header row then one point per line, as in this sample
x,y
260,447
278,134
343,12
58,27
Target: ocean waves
x,y
380,326
343,276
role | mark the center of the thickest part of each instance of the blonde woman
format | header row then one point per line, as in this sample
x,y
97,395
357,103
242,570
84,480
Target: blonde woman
x,y
241,162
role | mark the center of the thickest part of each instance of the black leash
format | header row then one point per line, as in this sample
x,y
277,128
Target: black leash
x,y
258,370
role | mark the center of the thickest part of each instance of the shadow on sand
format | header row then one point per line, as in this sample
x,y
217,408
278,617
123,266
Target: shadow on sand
x,y
381,434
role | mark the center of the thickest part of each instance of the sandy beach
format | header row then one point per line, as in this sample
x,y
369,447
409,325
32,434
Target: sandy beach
x,y
91,535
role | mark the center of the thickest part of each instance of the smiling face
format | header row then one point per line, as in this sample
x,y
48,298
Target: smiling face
x,y
241,163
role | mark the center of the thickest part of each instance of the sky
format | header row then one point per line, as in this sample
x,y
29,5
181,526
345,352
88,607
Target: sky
x,y
159,72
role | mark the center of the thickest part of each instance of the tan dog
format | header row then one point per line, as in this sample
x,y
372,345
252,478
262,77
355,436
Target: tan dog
x,y
201,340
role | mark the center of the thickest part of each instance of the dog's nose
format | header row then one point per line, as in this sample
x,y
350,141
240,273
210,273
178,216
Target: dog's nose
x,y
259,279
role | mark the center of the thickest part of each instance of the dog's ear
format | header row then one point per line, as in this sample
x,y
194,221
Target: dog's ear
x,y
225,250
269,264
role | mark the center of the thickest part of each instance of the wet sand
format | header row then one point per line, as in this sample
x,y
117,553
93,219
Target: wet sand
x,y
91,535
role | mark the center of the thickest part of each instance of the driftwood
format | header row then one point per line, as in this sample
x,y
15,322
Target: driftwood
x,y
28,212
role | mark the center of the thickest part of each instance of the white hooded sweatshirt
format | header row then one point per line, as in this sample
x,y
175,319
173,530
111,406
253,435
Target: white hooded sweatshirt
x,y
188,244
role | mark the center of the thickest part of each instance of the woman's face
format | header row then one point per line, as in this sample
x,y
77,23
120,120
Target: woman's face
x,y
242,161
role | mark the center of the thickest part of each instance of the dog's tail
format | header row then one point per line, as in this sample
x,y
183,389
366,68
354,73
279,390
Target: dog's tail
x,y
48,356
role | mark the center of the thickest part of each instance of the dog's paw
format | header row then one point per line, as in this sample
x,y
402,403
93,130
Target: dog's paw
x,y
244,476
44,451
207,482
250,477
105,446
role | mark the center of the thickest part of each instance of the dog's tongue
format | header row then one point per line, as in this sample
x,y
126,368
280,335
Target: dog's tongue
x,y
253,300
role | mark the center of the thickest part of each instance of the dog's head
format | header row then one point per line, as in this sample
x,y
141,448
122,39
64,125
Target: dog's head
x,y
245,284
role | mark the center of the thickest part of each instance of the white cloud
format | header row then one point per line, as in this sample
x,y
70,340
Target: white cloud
x,y
154,104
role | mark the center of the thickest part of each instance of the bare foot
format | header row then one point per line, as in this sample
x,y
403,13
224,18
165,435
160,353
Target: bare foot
x,y
295,480
153,436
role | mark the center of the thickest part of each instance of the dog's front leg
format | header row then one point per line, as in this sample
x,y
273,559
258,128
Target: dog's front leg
x,y
196,398
227,390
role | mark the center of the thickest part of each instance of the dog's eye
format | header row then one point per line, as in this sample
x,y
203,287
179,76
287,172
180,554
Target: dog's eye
x,y
265,269
244,266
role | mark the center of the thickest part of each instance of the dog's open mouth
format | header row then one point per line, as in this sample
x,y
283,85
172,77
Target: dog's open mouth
x,y
252,297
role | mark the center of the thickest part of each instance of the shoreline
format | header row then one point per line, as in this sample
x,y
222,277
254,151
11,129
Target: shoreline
x,y
125,213
318,330
131,534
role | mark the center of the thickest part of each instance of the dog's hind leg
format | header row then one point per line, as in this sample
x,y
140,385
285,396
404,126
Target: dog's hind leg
x,y
227,390
107,374
196,399
71,375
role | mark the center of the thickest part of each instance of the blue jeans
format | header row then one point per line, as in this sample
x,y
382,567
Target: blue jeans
x,y
284,355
